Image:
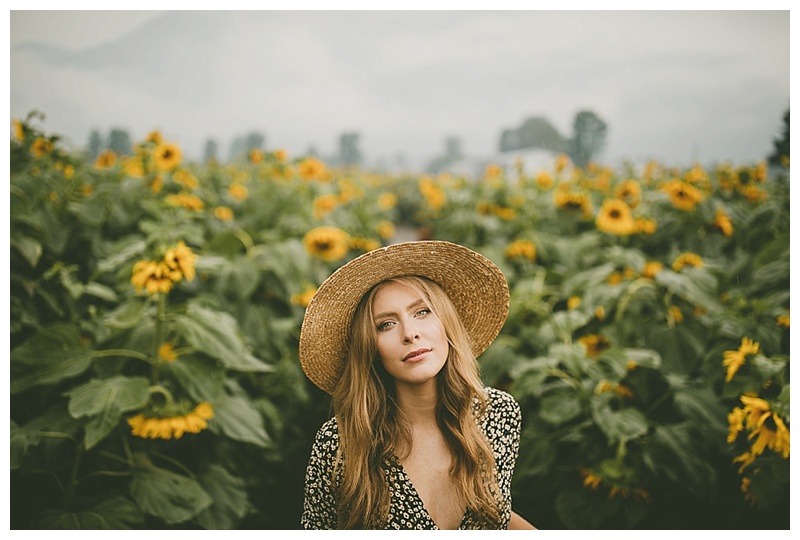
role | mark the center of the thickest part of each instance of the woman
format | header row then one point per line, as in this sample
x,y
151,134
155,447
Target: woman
x,y
416,441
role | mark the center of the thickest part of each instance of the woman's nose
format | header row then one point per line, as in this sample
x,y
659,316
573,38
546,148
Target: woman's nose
x,y
410,334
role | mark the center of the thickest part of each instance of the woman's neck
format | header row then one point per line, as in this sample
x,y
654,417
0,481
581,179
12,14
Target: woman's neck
x,y
418,403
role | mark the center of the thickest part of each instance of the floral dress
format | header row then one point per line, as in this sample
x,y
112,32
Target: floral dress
x,y
501,423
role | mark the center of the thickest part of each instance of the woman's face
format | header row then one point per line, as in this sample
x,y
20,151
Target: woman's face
x,y
412,344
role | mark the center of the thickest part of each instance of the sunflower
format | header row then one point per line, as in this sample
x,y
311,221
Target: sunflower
x,y
629,191
733,360
595,344
223,213
172,426
181,259
133,167
328,243
544,180
387,201
615,218
186,200
683,194
41,147
166,156
324,204
570,201
255,156
676,314
167,353
312,168
573,302
19,129
783,320
154,137
185,178
434,195
302,299
106,159
723,223
521,249
687,259
363,244
152,276
764,425
385,229
238,191
645,225
753,193
651,268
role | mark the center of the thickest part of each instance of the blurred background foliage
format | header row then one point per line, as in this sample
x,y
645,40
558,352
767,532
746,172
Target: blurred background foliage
x,y
155,308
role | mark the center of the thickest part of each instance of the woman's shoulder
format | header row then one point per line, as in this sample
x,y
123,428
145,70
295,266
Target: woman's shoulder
x,y
327,436
501,403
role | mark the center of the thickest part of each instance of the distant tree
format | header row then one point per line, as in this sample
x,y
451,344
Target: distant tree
x,y
588,137
210,151
780,152
535,132
348,149
452,153
242,145
120,142
95,145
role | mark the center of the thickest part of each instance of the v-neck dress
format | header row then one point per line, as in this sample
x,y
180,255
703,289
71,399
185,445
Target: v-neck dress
x,y
501,423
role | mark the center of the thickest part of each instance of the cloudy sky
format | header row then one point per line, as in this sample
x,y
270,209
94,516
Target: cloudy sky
x,y
676,86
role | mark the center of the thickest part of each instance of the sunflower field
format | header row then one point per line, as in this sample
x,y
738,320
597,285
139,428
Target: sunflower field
x,y
155,309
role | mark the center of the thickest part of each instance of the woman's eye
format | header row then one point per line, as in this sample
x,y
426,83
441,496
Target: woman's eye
x,y
423,312
384,326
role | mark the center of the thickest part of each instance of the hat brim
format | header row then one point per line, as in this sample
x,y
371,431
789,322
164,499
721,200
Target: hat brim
x,y
475,285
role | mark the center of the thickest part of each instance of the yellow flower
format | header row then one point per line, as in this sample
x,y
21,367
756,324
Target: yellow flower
x,y
154,137
181,259
106,159
600,312
573,302
41,147
324,204
171,426
676,314
166,156
615,278
544,180
255,156
387,201
185,178
385,229
630,192
682,194
67,169
567,200
328,243
166,352
238,191
19,130
562,160
492,171
595,344
615,218
280,155
157,184
521,249
132,166
733,360
723,223
154,277
590,479
645,225
304,297
223,213
753,193
783,320
363,244
764,425
434,195
186,200
687,259
312,168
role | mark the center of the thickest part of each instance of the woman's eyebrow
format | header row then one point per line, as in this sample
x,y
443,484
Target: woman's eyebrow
x,y
411,306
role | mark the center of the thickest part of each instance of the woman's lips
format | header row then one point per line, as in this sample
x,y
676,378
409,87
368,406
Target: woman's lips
x,y
419,354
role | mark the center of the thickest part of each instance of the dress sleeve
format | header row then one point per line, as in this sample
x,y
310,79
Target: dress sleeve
x,y
503,427
319,504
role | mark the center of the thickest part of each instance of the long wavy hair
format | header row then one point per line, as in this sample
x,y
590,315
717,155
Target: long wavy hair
x,y
374,433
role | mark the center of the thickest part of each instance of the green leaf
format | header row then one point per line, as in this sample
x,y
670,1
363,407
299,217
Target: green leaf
x,y
229,494
694,285
122,251
236,417
21,440
100,291
169,496
239,278
618,425
116,513
200,377
51,355
559,408
127,315
28,247
217,334
104,401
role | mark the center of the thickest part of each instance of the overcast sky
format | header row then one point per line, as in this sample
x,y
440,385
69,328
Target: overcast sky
x,y
676,86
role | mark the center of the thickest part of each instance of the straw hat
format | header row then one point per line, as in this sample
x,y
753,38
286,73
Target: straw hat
x,y
475,284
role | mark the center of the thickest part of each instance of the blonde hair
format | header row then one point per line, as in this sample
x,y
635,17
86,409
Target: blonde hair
x,y
373,431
